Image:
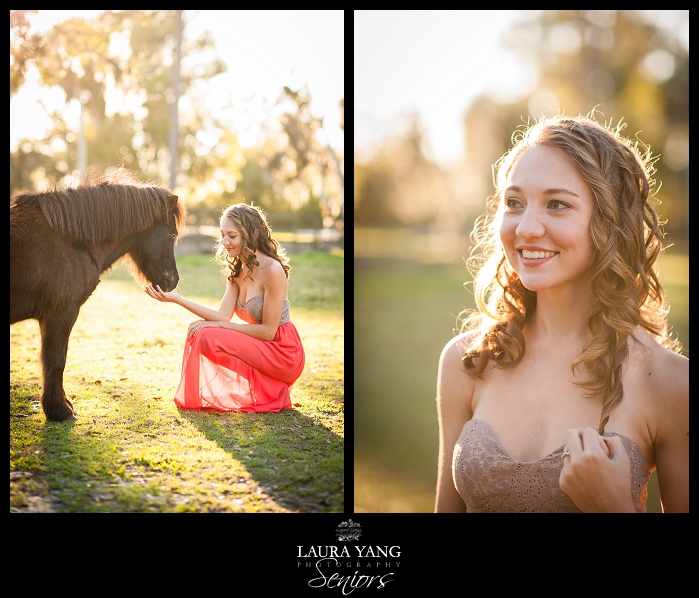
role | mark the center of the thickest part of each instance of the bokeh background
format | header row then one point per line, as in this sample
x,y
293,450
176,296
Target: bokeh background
x,y
438,95
221,106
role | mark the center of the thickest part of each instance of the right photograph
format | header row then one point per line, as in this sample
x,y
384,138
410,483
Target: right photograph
x,y
521,262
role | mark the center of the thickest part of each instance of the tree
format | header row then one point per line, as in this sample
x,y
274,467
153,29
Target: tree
x,y
174,132
129,53
299,167
402,187
23,47
339,166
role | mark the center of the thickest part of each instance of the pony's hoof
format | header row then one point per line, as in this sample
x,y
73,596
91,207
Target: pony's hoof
x,y
63,417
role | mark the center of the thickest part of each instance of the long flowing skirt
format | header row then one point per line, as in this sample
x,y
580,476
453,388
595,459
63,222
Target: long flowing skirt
x,y
231,371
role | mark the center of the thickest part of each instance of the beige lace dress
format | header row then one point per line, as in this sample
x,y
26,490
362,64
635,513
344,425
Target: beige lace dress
x,y
489,480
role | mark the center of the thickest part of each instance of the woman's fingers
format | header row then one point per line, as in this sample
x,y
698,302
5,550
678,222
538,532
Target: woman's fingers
x,y
582,442
597,473
617,450
151,291
194,327
593,442
156,292
574,441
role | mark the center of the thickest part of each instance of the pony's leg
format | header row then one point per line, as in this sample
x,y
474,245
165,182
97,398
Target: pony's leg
x,y
55,331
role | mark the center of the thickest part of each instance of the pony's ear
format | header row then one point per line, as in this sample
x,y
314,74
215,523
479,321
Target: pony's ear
x,y
171,202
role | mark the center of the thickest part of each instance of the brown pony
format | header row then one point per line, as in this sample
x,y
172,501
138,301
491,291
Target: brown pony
x,y
62,240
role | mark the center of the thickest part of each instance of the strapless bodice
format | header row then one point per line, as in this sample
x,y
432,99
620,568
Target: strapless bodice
x,y
490,480
251,312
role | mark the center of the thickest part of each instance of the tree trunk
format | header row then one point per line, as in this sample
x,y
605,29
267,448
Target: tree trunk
x,y
174,132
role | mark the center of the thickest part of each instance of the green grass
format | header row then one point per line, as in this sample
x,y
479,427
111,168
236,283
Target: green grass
x,y
133,450
404,315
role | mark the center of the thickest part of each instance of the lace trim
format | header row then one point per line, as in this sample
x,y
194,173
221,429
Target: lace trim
x,y
251,312
490,480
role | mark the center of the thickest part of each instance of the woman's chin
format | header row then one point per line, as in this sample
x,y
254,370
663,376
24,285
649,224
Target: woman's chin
x,y
535,283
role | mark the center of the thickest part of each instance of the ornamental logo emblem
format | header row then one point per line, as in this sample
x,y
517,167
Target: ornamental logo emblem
x,y
348,531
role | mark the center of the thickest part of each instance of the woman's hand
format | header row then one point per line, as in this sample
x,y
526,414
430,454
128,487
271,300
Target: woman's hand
x,y
198,325
597,473
155,292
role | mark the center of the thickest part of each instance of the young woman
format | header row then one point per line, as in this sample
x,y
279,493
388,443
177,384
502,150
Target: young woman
x,y
230,366
564,391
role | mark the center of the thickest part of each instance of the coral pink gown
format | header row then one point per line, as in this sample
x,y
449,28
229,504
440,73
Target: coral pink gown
x,y
230,371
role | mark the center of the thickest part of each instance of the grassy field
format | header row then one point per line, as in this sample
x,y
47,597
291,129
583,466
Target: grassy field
x,y
133,450
404,315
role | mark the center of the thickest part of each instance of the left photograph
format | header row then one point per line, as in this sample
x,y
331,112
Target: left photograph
x,y
176,262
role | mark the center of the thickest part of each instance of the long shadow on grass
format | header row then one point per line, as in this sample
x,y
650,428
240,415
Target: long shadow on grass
x,y
294,458
98,463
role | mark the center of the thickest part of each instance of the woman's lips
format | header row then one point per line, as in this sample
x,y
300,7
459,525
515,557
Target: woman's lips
x,y
534,259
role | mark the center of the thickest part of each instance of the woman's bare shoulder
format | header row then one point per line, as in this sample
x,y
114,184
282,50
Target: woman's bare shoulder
x,y
645,350
459,345
665,375
665,372
454,383
270,268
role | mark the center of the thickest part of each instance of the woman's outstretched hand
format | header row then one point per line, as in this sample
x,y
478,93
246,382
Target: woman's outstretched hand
x,y
155,292
597,473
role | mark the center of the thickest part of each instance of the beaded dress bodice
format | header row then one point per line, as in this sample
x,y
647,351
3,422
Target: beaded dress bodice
x,y
251,312
490,480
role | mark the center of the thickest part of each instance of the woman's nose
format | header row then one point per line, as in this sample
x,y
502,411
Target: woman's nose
x,y
529,225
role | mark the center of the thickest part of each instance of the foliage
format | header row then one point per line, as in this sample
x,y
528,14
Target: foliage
x,y
401,186
133,450
23,47
301,171
129,53
126,52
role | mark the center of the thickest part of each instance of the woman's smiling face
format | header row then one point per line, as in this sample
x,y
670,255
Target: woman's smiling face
x,y
546,215
231,239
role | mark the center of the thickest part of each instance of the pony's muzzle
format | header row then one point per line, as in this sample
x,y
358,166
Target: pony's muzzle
x,y
169,280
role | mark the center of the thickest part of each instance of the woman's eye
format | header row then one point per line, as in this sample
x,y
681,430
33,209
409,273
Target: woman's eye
x,y
554,204
511,202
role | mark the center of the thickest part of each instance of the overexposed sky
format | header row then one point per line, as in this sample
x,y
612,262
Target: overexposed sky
x,y
264,51
435,62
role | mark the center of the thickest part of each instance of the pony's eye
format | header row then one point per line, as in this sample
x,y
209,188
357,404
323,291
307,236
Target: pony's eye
x,y
174,235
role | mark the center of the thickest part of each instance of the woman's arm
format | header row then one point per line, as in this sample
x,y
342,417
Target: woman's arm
x,y
454,393
672,437
224,312
596,476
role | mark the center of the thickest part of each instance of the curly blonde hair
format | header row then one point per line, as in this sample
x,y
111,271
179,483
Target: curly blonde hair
x,y
627,238
256,235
